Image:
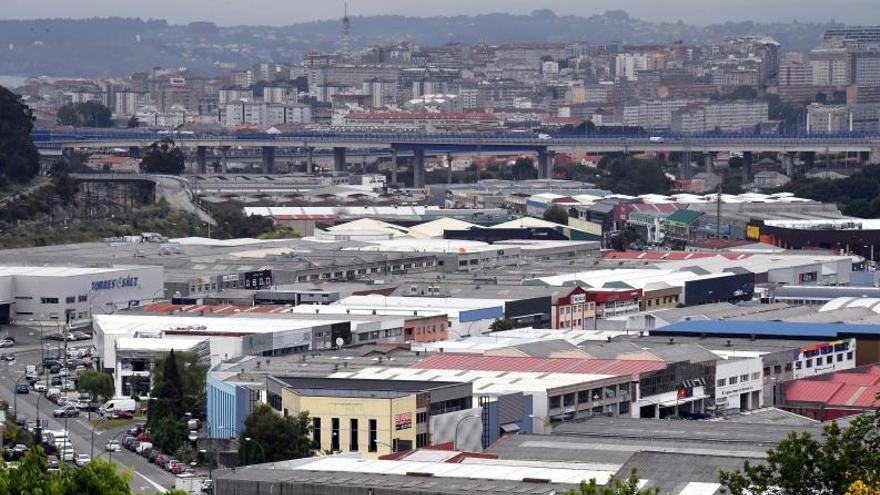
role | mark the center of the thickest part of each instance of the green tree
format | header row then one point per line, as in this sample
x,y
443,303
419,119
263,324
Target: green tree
x,y
232,223
524,169
96,384
804,465
556,214
501,325
163,157
623,238
634,177
88,114
178,388
97,477
614,486
19,159
169,433
277,437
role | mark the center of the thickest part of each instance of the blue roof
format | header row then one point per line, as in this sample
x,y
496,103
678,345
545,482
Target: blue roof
x,y
769,328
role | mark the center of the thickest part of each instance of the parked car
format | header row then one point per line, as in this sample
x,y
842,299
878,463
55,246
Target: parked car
x,y
7,356
130,443
4,343
52,462
159,459
82,459
135,430
169,463
55,368
55,380
66,412
143,446
113,446
78,335
22,388
40,386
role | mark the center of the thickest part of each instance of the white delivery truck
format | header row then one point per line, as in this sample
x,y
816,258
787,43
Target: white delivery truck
x,y
190,483
118,404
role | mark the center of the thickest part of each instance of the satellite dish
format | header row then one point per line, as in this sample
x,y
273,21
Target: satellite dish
x,y
339,341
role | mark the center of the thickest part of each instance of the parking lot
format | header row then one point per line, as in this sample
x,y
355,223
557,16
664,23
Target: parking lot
x,y
48,406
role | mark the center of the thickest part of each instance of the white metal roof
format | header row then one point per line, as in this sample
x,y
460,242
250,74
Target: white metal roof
x,y
486,471
435,228
370,224
637,278
129,324
64,271
485,382
410,245
871,303
159,345
205,241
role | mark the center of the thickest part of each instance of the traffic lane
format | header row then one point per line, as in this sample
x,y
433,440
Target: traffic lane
x,y
80,431
146,477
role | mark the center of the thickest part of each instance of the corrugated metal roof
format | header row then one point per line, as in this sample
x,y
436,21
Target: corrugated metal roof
x,y
539,365
856,378
811,391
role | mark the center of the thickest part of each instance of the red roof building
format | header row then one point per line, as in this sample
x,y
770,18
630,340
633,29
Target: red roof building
x,y
835,395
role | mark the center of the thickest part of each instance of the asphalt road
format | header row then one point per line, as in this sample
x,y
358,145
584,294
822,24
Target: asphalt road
x,y
146,477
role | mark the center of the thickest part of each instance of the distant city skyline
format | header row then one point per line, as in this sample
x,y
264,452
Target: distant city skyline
x,y
227,12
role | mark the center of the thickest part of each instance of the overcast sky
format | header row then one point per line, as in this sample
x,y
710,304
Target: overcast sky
x,y
281,12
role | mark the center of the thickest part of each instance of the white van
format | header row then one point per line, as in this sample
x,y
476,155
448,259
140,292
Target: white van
x,y
656,139
118,404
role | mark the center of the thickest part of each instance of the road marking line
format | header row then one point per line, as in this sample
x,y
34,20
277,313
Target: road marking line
x,y
157,486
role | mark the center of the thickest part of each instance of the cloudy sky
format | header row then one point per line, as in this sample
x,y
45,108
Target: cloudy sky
x,y
280,12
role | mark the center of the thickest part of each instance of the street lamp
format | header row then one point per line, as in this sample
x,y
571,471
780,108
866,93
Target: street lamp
x,y
262,451
204,452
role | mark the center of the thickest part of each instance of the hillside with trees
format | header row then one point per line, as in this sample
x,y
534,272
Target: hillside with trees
x,y
857,195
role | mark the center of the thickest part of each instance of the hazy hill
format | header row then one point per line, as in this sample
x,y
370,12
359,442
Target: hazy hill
x,y
116,46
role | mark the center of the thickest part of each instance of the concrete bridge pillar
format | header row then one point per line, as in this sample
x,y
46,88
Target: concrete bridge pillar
x,y
202,159
809,158
393,166
709,159
310,161
788,163
545,164
134,152
418,168
224,159
684,166
268,160
747,167
339,159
